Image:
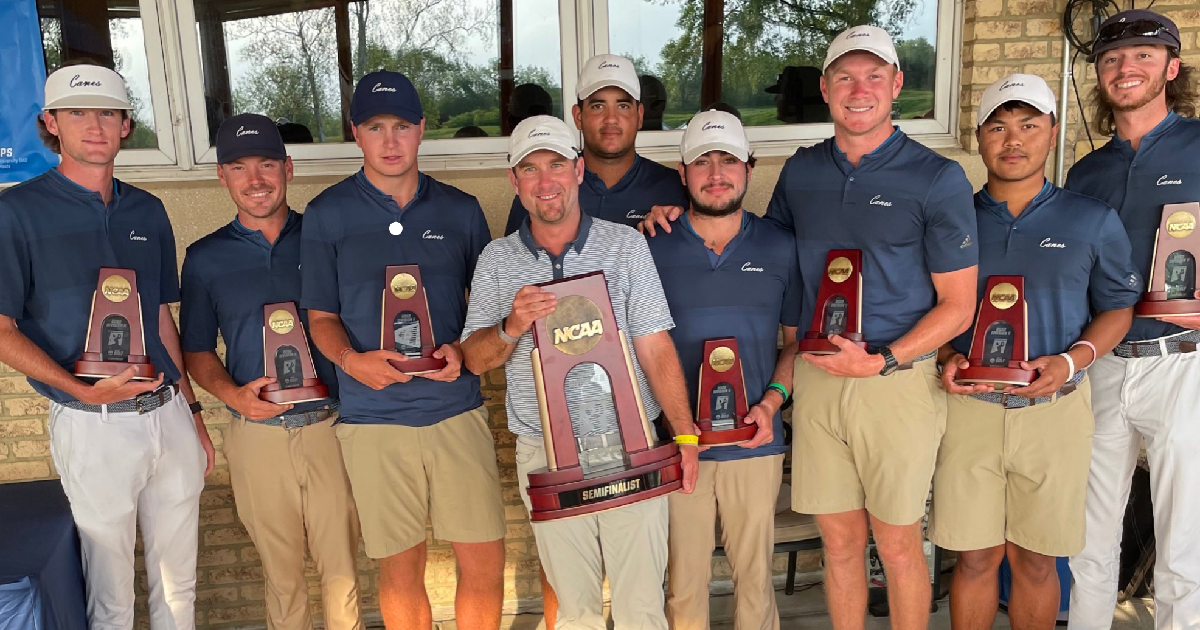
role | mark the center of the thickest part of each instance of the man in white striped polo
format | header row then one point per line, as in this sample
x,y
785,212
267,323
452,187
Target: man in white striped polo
x,y
557,241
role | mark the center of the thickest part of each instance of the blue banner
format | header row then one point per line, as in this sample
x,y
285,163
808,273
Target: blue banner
x,y
22,90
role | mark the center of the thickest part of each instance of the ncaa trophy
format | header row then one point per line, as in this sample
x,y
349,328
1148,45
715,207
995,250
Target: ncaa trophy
x,y
115,337
721,403
1001,339
287,358
839,304
1171,288
406,327
600,449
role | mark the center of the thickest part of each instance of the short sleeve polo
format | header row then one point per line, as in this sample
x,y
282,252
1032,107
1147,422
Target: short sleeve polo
x,y
346,249
55,236
909,211
746,293
1165,169
1073,254
646,184
514,261
227,278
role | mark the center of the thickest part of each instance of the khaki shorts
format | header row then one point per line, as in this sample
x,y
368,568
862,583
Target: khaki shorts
x,y
1014,474
866,442
402,476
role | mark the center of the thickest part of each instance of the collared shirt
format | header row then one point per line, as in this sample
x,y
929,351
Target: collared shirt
x,y
905,207
647,183
1164,169
227,278
746,292
1074,255
346,248
55,235
514,261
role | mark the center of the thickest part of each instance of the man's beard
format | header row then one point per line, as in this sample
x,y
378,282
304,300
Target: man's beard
x,y
719,210
1157,85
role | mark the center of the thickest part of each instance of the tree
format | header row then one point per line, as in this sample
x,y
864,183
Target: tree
x,y
918,60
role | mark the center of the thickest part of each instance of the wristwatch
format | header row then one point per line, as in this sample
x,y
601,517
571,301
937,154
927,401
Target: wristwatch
x,y
505,337
196,407
889,361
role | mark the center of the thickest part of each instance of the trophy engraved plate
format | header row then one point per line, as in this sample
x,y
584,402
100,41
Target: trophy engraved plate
x,y
406,327
721,403
1000,341
287,358
115,337
839,304
1171,287
600,448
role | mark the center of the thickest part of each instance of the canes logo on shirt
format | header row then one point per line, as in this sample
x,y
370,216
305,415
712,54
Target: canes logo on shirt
x,y
1166,180
749,266
878,200
636,214
133,236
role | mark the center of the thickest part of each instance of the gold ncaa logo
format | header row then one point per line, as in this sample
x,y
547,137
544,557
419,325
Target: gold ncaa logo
x,y
115,288
1181,224
575,325
404,285
721,359
1003,296
840,269
281,321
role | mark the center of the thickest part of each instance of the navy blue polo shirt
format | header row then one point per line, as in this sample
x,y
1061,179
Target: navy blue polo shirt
x,y
55,235
1074,255
1165,169
646,184
746,292
346,250
907,208
227,278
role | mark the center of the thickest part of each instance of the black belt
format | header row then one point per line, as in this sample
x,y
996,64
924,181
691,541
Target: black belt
x,y
142,403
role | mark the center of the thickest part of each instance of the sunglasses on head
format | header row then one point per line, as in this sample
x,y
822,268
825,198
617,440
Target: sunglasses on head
x,y
1137,28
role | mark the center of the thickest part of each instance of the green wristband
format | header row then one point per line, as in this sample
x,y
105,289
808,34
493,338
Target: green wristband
x,y
781,389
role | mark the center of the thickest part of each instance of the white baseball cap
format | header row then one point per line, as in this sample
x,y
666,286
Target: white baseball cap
x,y
714,130
541,132
604,71
86,87
866,37
1026,88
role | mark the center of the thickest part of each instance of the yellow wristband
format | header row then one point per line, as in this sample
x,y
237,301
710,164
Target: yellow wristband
x,y
694,440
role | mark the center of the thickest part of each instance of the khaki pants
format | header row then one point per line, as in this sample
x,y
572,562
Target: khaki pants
x,y
287,482
1013,474
743,492
628,543
866,442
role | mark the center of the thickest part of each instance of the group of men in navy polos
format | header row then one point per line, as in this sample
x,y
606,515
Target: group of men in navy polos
x,y
1029,472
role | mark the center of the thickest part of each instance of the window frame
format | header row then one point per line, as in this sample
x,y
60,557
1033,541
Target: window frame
x,y
173,60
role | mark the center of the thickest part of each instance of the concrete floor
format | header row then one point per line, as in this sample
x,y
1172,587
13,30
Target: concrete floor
x,y
805,610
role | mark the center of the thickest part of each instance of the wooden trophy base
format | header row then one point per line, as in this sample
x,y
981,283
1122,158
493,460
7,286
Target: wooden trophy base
x,y
419,366
92,366
312,389
815,342
566,492
997,377
726,437
1166,308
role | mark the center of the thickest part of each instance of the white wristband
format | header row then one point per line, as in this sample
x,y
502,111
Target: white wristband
x,y
1070,365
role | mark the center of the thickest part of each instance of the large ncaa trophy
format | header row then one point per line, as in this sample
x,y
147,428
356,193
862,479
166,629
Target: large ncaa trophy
x,y
1171,288
839,304
406,327
1001,339
721,403
600,448
287,358
115,338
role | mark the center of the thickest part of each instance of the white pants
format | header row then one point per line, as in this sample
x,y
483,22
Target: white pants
x,y
121,470
1156,399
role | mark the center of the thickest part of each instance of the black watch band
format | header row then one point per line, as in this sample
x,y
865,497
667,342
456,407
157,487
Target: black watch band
x,y
196,407
889,361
